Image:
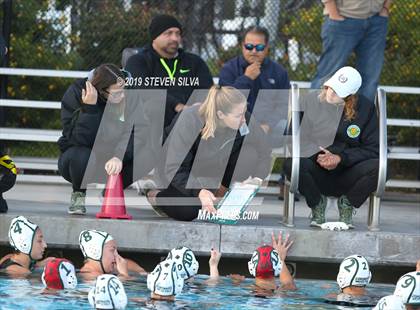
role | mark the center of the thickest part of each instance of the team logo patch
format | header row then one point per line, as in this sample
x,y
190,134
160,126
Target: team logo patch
x,y
342,78
353,131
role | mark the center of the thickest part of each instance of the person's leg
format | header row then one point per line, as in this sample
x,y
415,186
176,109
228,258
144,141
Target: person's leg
x,y
7,181
370,54
359,181
339,38
313,185
72,166
176,205
355,185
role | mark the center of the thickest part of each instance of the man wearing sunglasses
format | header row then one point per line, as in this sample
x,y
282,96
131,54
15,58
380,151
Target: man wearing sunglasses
x,y
255,72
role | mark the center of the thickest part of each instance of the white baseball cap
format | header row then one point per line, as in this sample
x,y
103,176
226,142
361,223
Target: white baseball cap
x,y
345,82
186,263
408,288
108,293
21,234
354,271
164,280
390,302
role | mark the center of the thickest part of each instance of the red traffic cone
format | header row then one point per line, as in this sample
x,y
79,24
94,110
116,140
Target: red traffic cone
x,y
113,206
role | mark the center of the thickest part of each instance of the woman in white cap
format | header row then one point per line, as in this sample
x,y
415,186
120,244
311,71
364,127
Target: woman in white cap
x,y
339,147
354,275
101,256
28,241
408,289
390,302
108,293
186,263
164,281
266,264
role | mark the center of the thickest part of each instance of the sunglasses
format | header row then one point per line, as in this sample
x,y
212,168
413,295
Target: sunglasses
x,y
258,47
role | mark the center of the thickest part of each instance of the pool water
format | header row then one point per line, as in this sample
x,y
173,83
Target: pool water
x,y
200,293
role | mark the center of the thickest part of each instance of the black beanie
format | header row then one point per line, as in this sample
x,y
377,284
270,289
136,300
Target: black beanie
x,y
161,23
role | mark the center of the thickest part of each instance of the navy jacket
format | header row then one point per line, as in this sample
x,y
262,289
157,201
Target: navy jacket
x,y
354,140
273,76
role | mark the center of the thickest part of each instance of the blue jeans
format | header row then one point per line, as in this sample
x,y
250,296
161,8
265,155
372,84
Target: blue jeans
x,y
366,37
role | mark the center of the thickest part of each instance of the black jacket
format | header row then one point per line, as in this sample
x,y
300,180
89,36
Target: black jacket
x,y
147,65
81,124
184,141
354,140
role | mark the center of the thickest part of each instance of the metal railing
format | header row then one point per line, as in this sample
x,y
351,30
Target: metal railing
x,y
374,203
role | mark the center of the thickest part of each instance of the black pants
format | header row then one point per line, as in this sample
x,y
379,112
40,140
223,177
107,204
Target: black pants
x,y
188,211
7,180
356,182
73,162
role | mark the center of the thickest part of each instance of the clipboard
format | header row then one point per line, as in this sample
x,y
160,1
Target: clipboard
x,y
235,202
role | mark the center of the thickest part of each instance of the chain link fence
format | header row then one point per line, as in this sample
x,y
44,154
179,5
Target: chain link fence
x,y
80,35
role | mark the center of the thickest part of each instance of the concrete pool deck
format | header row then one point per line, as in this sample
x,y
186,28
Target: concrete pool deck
x,y
398,242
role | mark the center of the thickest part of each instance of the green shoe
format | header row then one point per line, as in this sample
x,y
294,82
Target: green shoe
x,y
345,210
77,203
318,212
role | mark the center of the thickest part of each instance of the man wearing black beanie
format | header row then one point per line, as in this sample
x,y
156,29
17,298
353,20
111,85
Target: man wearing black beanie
x,y
164,65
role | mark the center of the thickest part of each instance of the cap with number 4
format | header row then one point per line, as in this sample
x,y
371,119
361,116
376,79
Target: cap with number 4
x,y
21,234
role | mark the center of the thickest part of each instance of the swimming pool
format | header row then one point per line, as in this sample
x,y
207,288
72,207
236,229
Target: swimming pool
x,y
199,294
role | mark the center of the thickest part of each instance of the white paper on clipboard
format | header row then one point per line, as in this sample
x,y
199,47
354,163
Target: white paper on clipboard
x,y
236,200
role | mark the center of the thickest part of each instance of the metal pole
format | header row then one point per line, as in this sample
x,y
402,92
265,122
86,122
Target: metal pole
x,y
7,26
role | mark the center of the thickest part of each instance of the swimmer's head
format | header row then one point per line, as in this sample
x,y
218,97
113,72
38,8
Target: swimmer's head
x,y
390,302
108,293
265,262
58,274
27,238
164,281
354,271
408,288
99,246
186,263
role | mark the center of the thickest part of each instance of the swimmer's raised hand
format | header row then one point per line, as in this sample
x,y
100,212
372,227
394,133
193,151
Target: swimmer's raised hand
x,y
281,247
214,258
90,95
